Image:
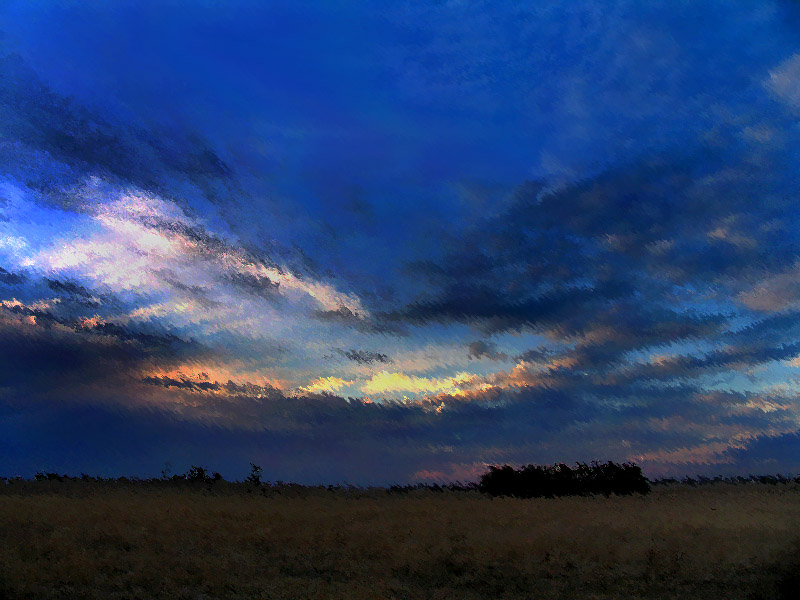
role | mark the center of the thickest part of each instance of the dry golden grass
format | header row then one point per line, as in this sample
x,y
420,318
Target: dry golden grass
x,y
717,541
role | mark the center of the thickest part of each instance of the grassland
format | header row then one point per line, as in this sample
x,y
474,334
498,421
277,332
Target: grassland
x,y
92,540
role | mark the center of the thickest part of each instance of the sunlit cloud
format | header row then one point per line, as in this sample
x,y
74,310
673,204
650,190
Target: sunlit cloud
x,y
135,242
774,293
386,382
326,384
784,81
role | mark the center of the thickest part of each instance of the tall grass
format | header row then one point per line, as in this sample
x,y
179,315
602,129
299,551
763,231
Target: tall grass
x,y
201,539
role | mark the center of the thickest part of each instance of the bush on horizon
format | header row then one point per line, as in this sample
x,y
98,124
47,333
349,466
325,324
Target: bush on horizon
x,y
534,481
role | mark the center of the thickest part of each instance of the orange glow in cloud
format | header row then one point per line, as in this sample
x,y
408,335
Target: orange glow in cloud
x,y
326,384
215,373
90,322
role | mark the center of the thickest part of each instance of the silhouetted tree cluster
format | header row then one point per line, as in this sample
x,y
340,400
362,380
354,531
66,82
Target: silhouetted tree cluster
x,y
533,481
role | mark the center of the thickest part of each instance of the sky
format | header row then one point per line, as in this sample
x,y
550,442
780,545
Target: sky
x,y
398,241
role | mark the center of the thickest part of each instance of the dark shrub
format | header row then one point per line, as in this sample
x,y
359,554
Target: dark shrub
x,y
197,474
533,481
502,481
49,477
255,474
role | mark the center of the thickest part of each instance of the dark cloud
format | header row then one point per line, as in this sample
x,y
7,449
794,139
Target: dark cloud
x,y
363,357
638,257
735,358
627,326
39,118
248,390
480,349
47,359
766,454
639,233
8,278
153,341
68,288
494,310
325,438
74,293
262,287
387,324
534,354
205,244
45,327
184,384
340,315
196,292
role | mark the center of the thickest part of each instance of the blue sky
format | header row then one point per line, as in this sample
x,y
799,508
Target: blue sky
x,y
397,242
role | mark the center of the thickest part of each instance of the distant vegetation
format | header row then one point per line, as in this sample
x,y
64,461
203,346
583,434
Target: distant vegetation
x,y
733,480
529,481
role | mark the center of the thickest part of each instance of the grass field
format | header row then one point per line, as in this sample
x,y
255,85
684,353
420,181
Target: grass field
x,y
90,540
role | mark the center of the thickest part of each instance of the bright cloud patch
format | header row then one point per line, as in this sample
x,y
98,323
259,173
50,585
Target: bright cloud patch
x,y
387,383
326,384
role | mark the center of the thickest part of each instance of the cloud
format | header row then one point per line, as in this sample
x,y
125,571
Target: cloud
x,y
784,81
85,142
139,246
203,384
345,316
480,349
516,424
363,357
776,292
766,454
42,313
7,278
492,310
44,358
262,286
388,383
326,384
